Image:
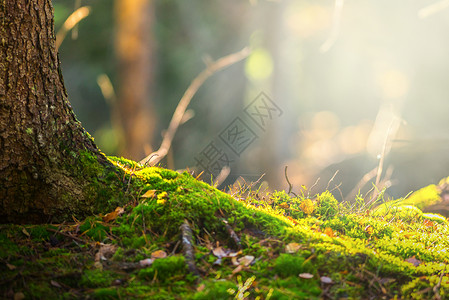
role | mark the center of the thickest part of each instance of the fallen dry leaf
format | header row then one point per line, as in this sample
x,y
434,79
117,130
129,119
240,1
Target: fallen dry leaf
x,y
201,287
413,261
25,232
113,215
55,284
292,248
158,254
11,267
235,262
329,232
220,252
149,194
106,251
238,269
246,260
325,279
234,254
284,205
306,275
146,262
428,223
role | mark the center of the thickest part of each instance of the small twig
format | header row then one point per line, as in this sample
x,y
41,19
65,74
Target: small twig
x,y
436,288
187,247
290,186
332,179
175,248
313,185
67,235
187,97
232,233
384,150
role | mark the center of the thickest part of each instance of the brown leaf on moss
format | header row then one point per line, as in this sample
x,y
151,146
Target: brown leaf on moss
x,y
113,215
307,206
149,194
220,252
246,260
329,232
413,261
158,254
292,248
284,205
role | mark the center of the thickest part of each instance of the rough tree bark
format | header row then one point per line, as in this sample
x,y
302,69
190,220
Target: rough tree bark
x,y
50,168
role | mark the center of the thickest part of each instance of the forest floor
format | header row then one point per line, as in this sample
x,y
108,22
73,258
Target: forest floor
x,y
183,239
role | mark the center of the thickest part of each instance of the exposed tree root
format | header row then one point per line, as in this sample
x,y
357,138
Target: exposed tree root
x,y
187,247
232,234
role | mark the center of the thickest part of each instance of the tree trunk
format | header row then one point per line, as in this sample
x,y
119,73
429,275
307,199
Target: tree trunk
x,y
50,168
134,50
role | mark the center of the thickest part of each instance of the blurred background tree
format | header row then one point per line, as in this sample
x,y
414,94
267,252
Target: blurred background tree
x,y
356,81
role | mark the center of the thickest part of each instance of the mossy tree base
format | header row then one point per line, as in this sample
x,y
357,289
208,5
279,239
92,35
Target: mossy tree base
x,y
291,248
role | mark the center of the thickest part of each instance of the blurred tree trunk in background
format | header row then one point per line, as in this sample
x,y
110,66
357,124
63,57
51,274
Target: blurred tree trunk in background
x,y
134,50
50,168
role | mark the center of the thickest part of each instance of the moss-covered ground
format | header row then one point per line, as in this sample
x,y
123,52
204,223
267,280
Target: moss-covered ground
x,y
246,246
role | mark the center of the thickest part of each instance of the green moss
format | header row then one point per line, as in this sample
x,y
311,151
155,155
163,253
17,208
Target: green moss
x,y
215,289
94,228
38,232
353,249
126,163
105,293
292,265
96,278
423,288
165,269
426,196
7,247
296,288
327,206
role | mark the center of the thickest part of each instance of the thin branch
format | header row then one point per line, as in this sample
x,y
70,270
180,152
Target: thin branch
x,y
311,188
332,179
71,21
187,97
384,150
67,235
288,181
436,288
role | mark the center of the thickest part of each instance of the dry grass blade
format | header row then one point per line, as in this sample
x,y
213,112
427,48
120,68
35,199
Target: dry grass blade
x,y
71,21
187,97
